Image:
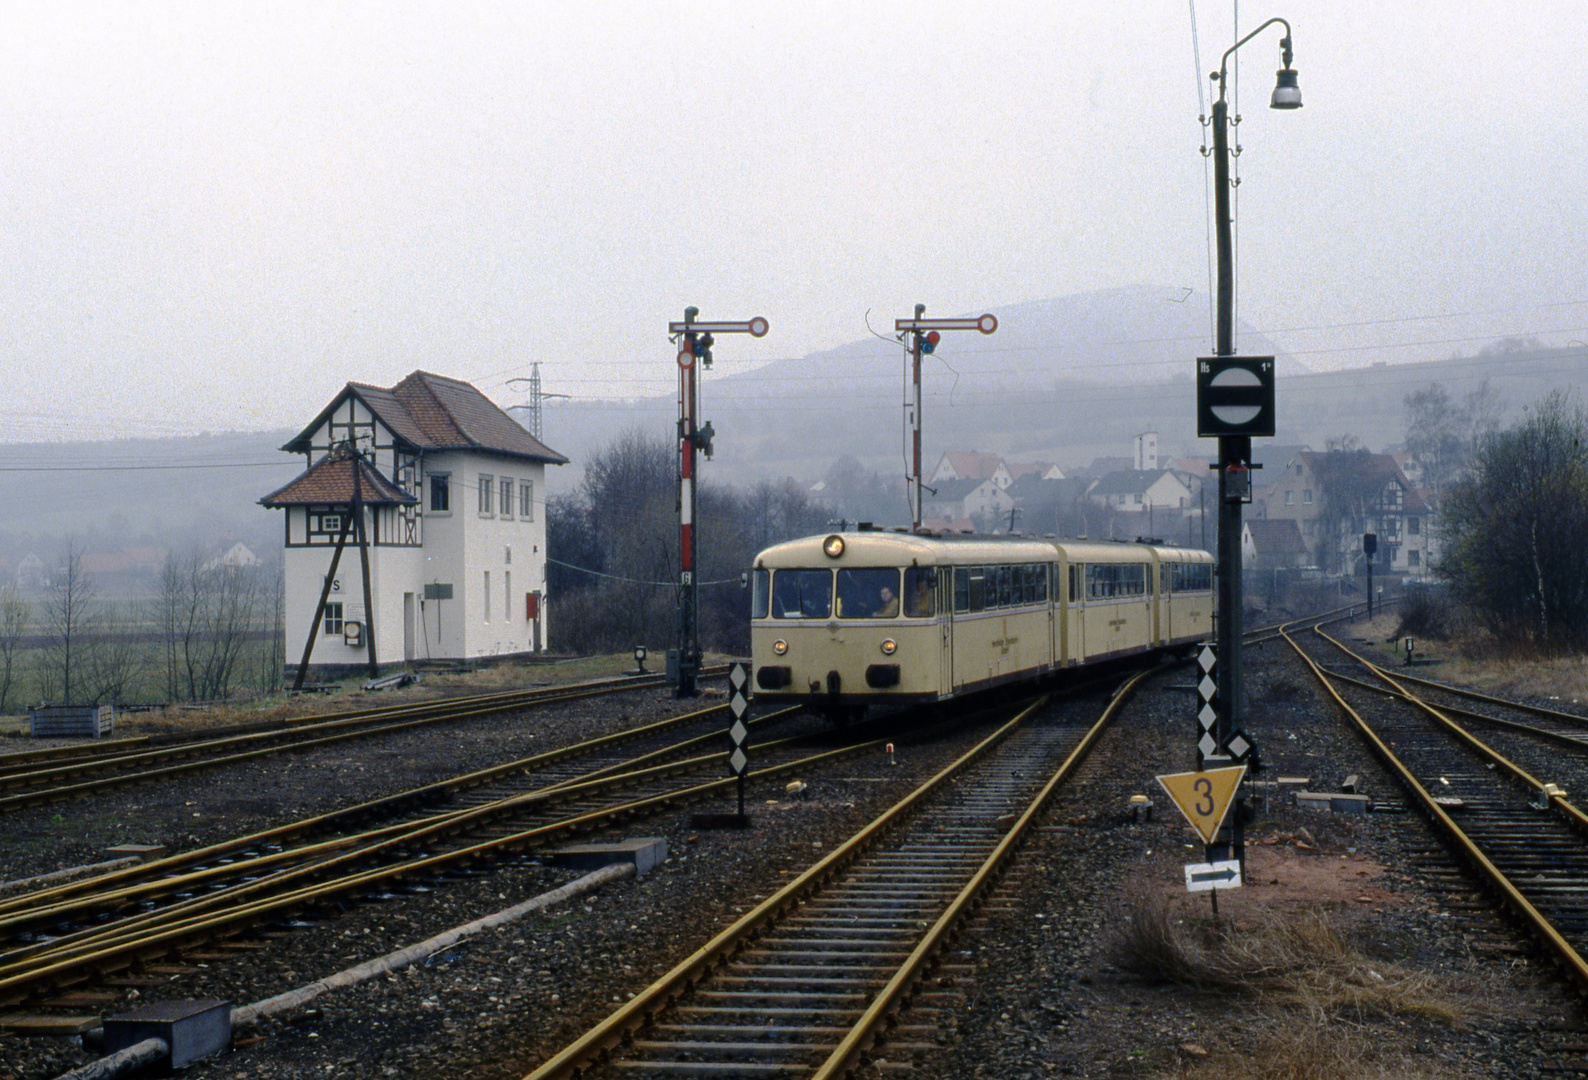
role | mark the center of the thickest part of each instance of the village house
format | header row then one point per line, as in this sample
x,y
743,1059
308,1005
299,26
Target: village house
x,y
1137,489
1337,496
972,465
982,501
452,492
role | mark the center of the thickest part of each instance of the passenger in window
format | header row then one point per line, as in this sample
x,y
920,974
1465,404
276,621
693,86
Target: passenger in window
x,y
920,598
887,605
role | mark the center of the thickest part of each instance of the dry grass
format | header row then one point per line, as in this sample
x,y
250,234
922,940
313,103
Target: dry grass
x,y
1310,1051
1474,659
1295,959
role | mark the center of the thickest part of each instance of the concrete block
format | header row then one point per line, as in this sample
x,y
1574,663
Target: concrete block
x,y
192,1029
1349,804
146,852
645,852
1351,785
1333,801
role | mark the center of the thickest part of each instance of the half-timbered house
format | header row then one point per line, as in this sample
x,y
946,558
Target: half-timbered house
x,y
452,495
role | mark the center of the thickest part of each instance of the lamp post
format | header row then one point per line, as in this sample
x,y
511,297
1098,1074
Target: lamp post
x,y
1235,451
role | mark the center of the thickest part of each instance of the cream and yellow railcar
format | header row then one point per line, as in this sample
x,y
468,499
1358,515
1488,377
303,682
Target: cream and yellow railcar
x,y
1185,596
849,620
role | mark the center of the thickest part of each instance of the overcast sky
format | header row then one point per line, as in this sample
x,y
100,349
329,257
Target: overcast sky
x,y
216,214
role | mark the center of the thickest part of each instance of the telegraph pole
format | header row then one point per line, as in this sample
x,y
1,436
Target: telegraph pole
x,y
924,335
695,340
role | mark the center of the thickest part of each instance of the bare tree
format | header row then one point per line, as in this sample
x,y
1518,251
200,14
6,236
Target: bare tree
x,y
15,614
1514,528
205,612
71,609
114,663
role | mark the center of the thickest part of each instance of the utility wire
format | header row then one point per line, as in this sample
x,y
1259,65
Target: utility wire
x,y
632,581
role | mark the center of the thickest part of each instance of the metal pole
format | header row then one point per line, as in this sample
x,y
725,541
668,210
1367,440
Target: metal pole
x,y
363,561
1234,450
915,452
688,623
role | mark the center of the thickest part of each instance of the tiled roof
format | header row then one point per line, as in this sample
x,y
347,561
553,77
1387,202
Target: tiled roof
x,y
433,412
1127,482
1275,536
973,464
953,490
329,482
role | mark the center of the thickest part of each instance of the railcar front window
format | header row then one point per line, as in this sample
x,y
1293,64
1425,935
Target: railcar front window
x,y
871,593
920,598
760,594
802,594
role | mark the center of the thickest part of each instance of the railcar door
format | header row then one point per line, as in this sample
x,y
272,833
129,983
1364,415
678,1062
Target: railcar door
x,y
945,618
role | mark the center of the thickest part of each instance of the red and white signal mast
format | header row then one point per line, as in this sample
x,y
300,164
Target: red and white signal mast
x,y
695,340
924,336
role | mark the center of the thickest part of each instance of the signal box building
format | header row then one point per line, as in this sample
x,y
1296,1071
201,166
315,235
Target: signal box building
x,y
452,492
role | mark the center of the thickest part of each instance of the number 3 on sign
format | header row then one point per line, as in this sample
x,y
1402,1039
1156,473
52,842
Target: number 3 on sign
x,y
1204,797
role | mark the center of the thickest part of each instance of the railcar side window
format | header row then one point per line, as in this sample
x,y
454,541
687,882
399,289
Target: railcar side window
x,y
871,593
802,594
920,600
1004,574
1192,577
760,593
1075,583
1108,581
1043,570
961,589
978,588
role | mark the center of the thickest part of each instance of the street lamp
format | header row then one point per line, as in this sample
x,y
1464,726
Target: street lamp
x,y
1287,95
1235,450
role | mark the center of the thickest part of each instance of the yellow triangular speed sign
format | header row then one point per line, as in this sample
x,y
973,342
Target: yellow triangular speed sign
x,y
1204,797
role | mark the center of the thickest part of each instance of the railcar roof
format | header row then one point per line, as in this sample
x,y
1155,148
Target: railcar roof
x,y
896,549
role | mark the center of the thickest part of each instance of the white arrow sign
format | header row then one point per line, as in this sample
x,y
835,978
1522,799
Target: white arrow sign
x,y
1202,877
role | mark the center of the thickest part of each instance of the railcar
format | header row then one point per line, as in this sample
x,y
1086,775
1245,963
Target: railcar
x,y
853,619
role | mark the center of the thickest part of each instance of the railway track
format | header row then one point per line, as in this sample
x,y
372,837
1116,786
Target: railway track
x,y
805,983
81,932
1522,836
36,777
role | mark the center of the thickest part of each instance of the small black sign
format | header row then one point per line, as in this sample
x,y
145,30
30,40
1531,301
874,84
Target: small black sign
x,y
1235,395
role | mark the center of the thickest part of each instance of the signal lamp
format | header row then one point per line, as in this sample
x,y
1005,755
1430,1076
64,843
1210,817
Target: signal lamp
x,y
833,546
929,340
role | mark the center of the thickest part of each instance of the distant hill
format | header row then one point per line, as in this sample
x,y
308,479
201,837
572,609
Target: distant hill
x,y
1064,380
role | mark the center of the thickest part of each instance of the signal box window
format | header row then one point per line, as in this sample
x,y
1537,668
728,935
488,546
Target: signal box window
x,y
333,619
920,592
440,493
526,501
802,594
507,497
486,488
760,594
871,593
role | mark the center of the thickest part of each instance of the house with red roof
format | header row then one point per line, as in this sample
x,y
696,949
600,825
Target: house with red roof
x,y
447,492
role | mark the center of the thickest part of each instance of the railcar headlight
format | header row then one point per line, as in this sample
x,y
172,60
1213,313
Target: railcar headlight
x,y
780,646
889,646
833,546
